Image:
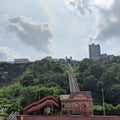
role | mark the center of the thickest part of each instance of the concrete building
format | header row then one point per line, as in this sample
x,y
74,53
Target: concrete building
x,y
94,51
21,60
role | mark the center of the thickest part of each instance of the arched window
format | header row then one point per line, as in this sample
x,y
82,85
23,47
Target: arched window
x,y
77,105
83,105
63,106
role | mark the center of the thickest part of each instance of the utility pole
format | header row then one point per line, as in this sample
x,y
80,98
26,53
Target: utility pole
x,y
103,99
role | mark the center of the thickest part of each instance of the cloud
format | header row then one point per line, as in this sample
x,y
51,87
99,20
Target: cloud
x,y
107,16
83,7
8,54
32,33
108,25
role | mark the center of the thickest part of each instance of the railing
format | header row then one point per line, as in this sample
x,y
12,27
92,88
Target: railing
x,y
48,100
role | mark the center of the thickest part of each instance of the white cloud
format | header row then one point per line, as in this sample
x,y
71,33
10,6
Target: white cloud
x,y
98,18
106,4
115,50
83,7
108,17
32,33
8,54
108,25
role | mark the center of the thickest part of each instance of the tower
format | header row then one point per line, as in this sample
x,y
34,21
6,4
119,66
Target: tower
x,y
94,51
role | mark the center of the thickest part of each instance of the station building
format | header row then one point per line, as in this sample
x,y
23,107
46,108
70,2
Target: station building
x,y
80,103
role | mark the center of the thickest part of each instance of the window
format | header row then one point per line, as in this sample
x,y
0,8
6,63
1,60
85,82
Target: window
x,y
63,106
77,105
83,105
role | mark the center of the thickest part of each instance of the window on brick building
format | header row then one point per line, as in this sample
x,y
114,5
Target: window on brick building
x,y
77,105
63,106
83,105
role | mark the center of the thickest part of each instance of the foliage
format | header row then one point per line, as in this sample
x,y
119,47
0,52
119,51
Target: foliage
x,y
100,74
109,109
98,109
3,113
35,81
22,84
10,72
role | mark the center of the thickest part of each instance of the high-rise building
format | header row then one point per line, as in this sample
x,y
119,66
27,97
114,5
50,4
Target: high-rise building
x,y
94,51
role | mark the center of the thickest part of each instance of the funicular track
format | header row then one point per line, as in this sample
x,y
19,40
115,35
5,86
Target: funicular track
x,y
74,87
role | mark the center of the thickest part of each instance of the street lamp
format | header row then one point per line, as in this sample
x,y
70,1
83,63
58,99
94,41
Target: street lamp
x,y
103,101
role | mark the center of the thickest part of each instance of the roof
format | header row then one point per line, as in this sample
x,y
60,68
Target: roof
x,y
81,94
86,93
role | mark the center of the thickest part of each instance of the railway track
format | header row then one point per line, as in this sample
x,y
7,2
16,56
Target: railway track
x,y
72,80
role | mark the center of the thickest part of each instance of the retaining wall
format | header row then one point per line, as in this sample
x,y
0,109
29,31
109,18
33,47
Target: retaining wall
x,y
68,118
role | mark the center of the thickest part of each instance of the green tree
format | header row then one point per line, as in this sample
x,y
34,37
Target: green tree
x,y
96,70
113,94
90,83
27,79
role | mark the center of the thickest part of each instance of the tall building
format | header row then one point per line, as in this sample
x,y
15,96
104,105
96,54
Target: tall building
x,y
94,51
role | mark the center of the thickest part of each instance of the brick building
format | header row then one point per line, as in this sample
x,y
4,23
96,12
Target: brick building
x,y
77,103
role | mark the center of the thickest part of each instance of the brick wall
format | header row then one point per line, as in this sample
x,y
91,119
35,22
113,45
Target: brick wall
x,y
68,118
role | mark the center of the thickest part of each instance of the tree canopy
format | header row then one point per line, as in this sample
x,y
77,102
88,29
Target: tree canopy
x,y
22,84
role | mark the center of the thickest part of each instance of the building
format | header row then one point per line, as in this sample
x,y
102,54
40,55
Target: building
x,y
94,51
77,102
49,58
21,60
80,103
103,56
61,60
68,59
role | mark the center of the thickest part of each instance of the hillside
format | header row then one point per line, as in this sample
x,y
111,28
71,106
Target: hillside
x,y
102,74
22,84
10,72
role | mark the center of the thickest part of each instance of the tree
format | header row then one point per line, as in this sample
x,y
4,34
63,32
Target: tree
x,y
96,70
90,83
108,79
27,79
100,85
113,94
84,65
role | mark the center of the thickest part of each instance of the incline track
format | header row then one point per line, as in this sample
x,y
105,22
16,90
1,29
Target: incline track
x,y
72,80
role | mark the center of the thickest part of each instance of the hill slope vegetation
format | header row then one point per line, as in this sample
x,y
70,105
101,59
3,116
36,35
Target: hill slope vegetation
x,y
22,84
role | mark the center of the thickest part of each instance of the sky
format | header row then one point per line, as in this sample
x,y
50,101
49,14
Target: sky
x,y
35,29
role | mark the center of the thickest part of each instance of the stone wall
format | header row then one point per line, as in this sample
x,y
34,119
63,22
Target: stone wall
x,y
68,118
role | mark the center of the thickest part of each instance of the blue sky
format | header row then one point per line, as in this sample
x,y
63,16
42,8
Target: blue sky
x,y
35,29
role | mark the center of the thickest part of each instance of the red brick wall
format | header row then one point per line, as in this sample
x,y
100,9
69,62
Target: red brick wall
x,y
71,106
68,118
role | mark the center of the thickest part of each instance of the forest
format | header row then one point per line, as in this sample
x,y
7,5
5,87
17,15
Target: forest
x,y
22,84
